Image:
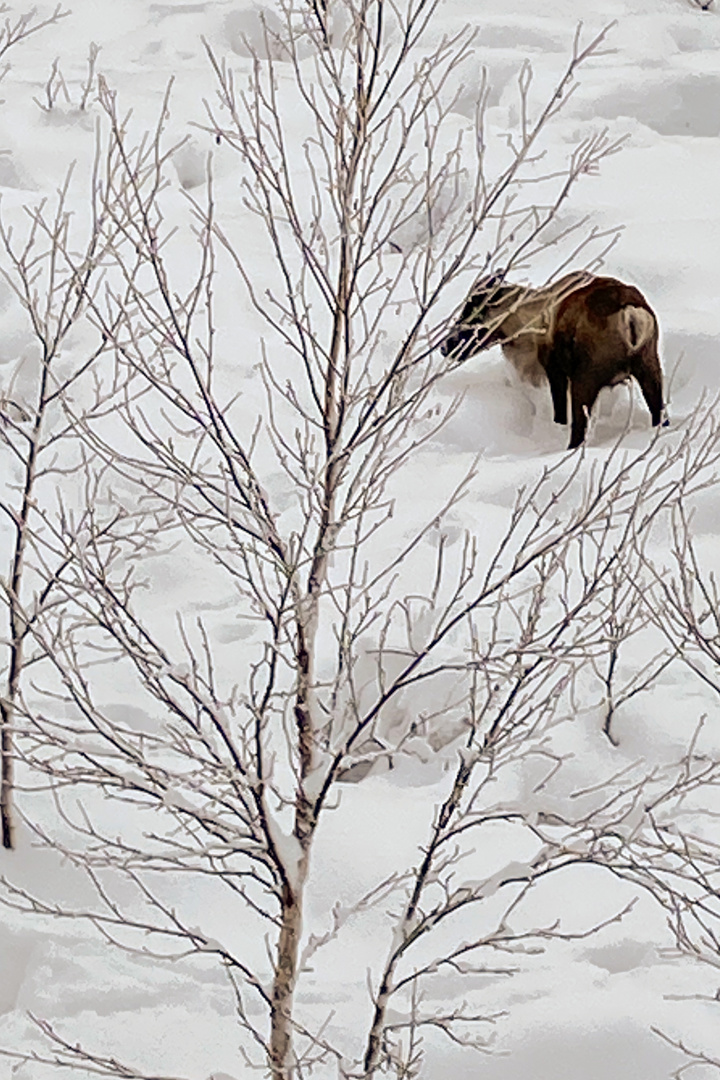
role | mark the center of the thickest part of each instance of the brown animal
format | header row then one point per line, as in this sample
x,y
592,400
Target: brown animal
x,y
603,333
514,316
584,332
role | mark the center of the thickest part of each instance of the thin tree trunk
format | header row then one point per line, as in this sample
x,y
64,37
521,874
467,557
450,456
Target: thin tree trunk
x,y
18,629
18,626
7,776
373,1053
282,1058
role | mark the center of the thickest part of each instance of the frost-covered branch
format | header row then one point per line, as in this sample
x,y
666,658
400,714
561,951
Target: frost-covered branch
x,y
276,480
39,441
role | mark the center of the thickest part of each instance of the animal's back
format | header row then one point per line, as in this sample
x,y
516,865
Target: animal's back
x,y
530,323
606,320
599,300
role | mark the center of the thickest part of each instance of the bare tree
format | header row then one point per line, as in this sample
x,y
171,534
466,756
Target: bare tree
x,y
25,435
358,638
42,450
626,620
688,592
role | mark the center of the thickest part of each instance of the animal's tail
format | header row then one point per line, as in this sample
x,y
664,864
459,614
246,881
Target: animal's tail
x,y
637,326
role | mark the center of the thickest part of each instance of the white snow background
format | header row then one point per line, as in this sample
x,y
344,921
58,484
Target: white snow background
x,y
580,1010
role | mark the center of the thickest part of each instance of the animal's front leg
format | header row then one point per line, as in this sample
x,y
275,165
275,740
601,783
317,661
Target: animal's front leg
x,y
583,394
557,378
558,381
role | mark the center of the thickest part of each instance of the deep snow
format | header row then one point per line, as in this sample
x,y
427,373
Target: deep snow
x,y
583,1009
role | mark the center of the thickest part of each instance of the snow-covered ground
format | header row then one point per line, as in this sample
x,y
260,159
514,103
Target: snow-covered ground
x,y
583,1008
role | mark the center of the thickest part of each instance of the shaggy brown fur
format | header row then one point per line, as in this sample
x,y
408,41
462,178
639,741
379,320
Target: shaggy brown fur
x,y
603,333
582,333
515,317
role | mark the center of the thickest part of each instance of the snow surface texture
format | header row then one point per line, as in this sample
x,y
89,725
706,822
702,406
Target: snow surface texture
x,y
583,1009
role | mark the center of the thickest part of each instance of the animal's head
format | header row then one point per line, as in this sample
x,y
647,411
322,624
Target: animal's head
x,y
479,325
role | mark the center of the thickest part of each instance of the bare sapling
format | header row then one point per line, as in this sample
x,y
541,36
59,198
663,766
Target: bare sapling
x,y
39,440
511,719
625,621
278,489
689,594
56,89
13,33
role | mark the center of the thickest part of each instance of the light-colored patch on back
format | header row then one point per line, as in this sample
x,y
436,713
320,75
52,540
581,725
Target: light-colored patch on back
x,y
530,320
636,326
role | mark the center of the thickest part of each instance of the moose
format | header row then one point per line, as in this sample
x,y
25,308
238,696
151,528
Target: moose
x,y
581,333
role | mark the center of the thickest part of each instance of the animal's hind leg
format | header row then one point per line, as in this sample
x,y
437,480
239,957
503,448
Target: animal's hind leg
x,y
649,377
